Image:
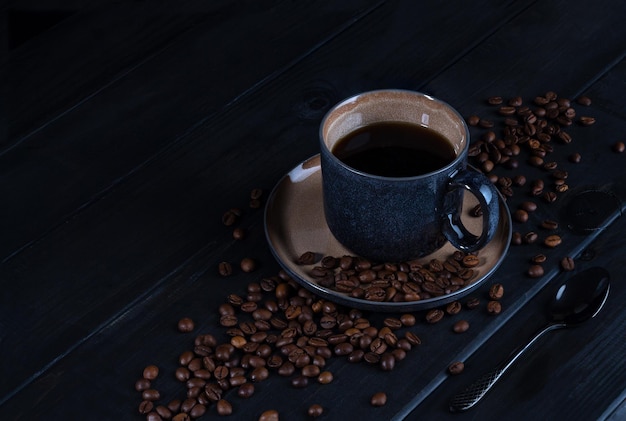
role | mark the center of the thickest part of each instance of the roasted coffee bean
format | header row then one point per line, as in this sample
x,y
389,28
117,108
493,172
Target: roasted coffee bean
x,y
519,180
539,258
224,407
456,367
586,120
567,264
230,217
188,404
299,382
387,361
494,307
530,237
471,261
473,120
453,308
182,374
315,411
247,264
619,147
153,416
163,412
472,303
407,319
552,241
378,399
259,374
535,271
199,410
185,325
150,372
392,323
412,338
310,370
225,269
269,415
246,390
516,238
150,395
460,326
496,291
549,224
142,384
183,416
286,369
145,407
575,158
325,377
520,215
306,258
434,315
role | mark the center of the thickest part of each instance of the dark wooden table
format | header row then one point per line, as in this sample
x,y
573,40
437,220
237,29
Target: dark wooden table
x,y
129,128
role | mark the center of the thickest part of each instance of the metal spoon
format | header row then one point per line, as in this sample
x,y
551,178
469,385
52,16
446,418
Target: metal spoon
x,y
576,300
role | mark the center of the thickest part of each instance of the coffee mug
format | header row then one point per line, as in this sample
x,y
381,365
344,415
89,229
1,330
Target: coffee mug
x,y
394,171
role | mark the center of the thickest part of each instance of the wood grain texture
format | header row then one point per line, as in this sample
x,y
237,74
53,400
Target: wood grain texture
x,y
118,255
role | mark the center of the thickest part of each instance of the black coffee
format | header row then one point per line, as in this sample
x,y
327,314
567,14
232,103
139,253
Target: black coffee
x,y
394,149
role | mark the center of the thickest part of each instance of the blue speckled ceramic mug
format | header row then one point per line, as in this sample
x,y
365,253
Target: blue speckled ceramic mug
x,y
398,218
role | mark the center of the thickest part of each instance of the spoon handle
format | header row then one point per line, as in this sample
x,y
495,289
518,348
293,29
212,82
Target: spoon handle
x,y
475,392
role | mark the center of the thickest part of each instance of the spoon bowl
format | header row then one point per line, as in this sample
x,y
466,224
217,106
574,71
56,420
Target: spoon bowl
x,y
580,297
577,299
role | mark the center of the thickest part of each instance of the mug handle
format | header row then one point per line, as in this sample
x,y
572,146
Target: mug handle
x,y
483,189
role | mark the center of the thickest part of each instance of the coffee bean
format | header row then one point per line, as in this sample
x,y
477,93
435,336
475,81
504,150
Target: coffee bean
x,y
142,384
307,258
407,319
567,264
472,303
153,416
456,367
575,158
269,415
182,374
584,100
145,407
300,382
535,271
224,407
549,224
412,338
434,315
150,372
315,411
552,241
520,215
387,361
496,291
229,217
185,325
246,390
473,120
225,269
530,237
150,395
378,399
494,307
460,326
247,264
239,233
471,261
453,308
586,120
187,405
325,377
199,410
619,147
164,412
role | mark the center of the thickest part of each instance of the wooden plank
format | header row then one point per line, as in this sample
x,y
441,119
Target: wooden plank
x,y
95,46
95,145
191,214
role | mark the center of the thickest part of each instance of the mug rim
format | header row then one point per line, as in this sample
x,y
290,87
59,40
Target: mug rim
x,y
459,157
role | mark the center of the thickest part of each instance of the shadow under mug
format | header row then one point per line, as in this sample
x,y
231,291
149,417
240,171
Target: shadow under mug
x,y
393,219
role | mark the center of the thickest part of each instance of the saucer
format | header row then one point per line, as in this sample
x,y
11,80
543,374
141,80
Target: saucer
x,y
295,224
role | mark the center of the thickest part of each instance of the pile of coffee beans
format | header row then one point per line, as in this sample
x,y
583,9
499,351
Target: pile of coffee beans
x,y
523,135
275,328
393,282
